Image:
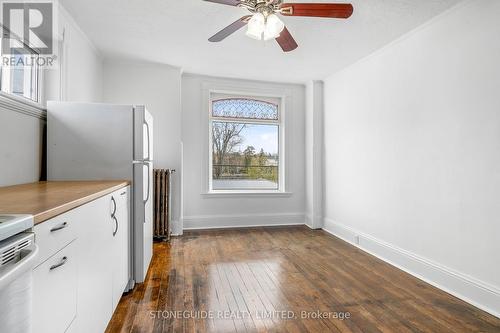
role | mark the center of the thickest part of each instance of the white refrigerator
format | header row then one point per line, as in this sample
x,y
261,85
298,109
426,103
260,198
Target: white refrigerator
x,y
88,141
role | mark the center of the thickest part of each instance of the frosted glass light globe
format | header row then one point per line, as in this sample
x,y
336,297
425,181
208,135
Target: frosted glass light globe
x,y
274,26
256,26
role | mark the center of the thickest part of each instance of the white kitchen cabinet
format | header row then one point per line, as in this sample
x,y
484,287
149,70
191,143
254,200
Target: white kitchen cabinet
x,y
81,294
53,235
55,292
121,240
94,268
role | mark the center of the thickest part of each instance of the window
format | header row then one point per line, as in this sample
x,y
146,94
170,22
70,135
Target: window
x,y
245,143
22,77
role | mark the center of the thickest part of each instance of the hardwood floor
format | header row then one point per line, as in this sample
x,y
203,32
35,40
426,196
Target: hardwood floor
x,y
240,280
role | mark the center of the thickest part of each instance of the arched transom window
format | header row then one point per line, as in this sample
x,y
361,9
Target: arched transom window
x,y
244,109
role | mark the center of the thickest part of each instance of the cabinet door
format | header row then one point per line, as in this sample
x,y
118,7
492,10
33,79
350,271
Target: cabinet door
x,y
55,292
95,267
121,240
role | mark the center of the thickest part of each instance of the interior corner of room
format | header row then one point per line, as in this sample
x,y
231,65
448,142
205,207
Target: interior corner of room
x,y
360,168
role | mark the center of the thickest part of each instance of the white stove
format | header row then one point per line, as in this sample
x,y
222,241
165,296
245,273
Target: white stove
x,y
14,224
18,252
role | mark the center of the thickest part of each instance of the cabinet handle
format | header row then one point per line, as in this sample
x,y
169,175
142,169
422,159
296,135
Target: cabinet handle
x,y
116,225
63,261
114,207
123,193
62,226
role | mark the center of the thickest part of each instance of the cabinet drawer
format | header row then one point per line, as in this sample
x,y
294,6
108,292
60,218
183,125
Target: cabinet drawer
x,y
54,234
55,292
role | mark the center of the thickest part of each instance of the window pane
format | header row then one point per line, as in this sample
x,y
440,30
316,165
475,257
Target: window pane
x,y
21,77
245,156
17,79
244,109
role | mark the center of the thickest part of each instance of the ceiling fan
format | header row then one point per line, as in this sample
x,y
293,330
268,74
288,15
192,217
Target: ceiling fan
x,y
264,24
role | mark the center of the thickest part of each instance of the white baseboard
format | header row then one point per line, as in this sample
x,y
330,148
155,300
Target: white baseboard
x,y
177,227
242,221
314,222
471,290
308,221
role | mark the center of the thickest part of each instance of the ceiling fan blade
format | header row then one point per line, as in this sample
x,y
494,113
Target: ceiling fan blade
x,y
230,29
332,10
286,41
226,2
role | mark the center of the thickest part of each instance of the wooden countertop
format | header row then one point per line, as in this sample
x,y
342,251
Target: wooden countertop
x,y
45,200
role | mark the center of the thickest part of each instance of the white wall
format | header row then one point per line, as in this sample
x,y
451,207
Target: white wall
x,y
205,211
79,78
309,142
412,137
314,172
20,147
159,88
21,134
83,64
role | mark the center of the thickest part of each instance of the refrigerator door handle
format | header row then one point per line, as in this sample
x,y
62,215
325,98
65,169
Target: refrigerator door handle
x,y
149,140
149,170
148,165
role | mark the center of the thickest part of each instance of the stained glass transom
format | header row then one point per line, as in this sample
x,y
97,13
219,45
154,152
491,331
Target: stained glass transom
x,y
244,108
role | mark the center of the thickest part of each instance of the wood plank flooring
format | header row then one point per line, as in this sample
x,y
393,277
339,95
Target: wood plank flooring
x,y
285,280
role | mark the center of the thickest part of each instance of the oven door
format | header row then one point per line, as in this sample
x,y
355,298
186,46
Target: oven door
x,y
16,278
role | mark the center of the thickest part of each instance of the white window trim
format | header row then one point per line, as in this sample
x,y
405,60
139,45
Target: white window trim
x,y
250,91
22,105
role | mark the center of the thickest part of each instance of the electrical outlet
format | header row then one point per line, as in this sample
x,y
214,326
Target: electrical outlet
x,y
356,239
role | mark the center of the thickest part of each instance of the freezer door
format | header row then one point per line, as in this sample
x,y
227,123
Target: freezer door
x,y
143,219
143,134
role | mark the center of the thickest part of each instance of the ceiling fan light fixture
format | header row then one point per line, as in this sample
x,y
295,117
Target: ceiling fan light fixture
x,y
274,26
263,24
256,26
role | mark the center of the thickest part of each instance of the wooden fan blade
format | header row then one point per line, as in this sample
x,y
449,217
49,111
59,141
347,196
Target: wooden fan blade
x,y
332,10
230,29
286,41
226,2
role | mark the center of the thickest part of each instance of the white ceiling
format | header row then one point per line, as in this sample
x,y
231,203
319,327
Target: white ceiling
x,y
175,32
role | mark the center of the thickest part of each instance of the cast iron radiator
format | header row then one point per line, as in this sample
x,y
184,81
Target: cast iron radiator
x,y
162,207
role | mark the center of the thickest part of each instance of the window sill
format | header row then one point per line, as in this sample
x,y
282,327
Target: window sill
x,y
21,105
246,194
